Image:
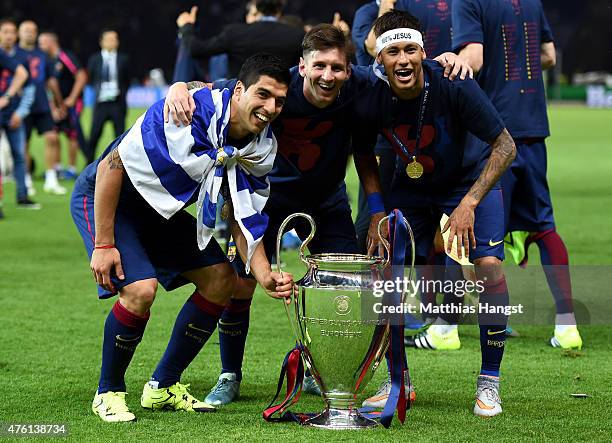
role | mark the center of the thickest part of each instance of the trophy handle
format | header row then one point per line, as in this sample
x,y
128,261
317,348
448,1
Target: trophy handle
x,y
281,231
384,241
279,238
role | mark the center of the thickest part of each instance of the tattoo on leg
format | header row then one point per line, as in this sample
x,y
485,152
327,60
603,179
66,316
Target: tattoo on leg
x,y
114,160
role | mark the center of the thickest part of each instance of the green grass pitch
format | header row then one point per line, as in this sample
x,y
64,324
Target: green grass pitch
x,y
52,325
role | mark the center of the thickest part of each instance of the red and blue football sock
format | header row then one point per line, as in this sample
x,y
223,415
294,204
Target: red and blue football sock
x,y
493,327
194,325
233,330
554,258
123,330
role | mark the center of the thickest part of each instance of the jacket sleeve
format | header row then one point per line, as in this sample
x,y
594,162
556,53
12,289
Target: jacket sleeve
x,y
27,99
125,74
202,48
92,76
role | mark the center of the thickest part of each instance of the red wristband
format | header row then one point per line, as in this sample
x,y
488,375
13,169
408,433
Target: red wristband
x,y
105,247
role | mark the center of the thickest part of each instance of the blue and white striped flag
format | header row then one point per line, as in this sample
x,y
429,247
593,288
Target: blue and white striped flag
x,y
379,71
167,164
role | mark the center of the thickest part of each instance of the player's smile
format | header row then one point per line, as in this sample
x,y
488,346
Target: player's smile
x,y
326,93
261,119
263,115
257,106
403,66
404,75
324,74
328,88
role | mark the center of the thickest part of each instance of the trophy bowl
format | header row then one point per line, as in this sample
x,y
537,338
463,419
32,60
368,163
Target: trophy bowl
x,y
333,319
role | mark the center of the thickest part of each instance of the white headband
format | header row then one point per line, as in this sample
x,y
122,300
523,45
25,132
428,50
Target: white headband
x,y
398,35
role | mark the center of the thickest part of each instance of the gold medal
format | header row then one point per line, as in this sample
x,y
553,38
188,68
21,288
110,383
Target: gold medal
x,y
414,170
221,156
225,211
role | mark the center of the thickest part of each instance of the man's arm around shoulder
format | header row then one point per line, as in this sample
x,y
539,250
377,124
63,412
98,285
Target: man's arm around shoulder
x,y
473,54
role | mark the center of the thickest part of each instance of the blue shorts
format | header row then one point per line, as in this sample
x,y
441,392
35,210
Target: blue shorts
x,y
335,230
71,126
488,224
42,121
526,196
150,246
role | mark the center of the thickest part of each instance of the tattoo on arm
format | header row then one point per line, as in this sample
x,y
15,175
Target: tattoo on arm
x,y
114,160
503,152
195,84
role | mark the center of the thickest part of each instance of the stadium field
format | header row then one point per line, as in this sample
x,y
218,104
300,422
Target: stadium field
x,y
52,324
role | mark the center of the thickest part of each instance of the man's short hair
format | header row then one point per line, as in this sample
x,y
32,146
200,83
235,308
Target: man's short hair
x,y
325,36
7,20
50,33
269,7
104,31
263,64
28,20
395,19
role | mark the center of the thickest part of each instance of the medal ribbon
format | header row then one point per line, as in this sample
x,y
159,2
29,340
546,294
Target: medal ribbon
x,y
421,118
293,368
398,234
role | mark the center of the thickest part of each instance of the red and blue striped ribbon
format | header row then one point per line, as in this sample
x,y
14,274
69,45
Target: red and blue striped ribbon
x,y
293,369
398,234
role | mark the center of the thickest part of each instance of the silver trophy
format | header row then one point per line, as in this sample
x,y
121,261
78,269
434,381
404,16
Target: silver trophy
x,y
332,316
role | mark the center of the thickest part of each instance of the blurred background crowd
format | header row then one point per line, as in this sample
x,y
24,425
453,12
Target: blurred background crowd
x,y
122,55
583,35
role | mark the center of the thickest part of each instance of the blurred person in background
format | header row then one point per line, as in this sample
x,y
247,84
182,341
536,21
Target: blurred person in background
x,y
71,78
509,45
262,33
109,76
42,77
15,105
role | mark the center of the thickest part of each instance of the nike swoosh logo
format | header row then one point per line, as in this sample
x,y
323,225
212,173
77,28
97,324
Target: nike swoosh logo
x,y
495,243
489,332
126,340
481,405
230,323
191,326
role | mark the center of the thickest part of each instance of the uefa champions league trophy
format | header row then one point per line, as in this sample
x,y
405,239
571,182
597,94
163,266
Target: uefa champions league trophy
x,y
333,319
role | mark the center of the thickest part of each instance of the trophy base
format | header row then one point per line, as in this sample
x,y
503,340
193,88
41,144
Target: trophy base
x,y
341,419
